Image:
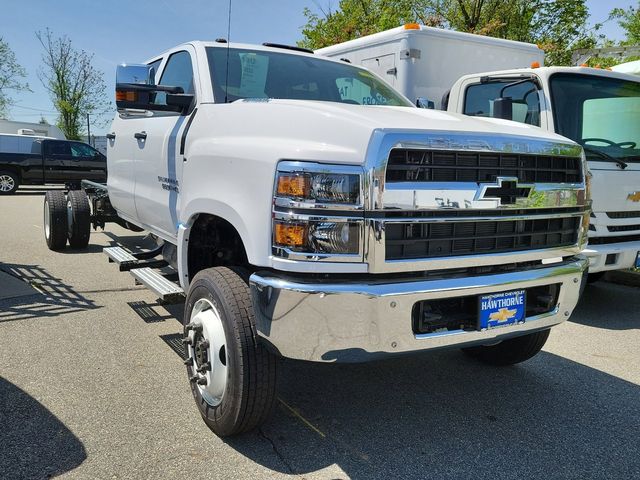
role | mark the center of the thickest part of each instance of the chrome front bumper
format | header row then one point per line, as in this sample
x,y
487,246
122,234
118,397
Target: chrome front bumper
x,y
354,321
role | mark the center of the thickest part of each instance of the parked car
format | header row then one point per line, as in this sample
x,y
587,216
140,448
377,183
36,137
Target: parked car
x,y
32,160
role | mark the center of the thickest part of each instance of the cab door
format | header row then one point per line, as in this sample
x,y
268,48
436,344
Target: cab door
x,y
157,155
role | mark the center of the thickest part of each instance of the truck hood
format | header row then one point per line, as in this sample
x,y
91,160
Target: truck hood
x,y
407,118
341,133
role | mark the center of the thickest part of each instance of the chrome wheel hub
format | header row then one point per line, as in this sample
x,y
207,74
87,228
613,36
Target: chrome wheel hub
x,y
207,351
6,183
47,227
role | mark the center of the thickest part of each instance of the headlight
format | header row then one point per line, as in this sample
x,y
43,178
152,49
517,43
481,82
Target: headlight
x,y
319,187
335,231
317,237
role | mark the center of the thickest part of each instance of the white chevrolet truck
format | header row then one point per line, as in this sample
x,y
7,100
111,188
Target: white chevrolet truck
x,y
310,211
600,110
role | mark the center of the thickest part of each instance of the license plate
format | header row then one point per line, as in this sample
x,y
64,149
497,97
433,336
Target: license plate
x,y
502,309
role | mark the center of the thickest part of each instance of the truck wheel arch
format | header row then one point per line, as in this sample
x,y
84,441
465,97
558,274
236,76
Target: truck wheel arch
x,y
208,240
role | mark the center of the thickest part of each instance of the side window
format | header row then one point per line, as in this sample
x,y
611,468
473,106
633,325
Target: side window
x,y
57,148
155,66
178,72
479,100
81,150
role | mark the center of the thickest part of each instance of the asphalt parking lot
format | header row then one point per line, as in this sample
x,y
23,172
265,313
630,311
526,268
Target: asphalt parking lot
x,y
91,386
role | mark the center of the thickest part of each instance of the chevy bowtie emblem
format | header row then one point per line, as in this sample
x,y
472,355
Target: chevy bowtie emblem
x,y
634,197
506,191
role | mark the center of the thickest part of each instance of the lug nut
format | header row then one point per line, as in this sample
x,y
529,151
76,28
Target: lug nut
x,y
204,367
201,381
188,361
194,378
193,326
186,340
205,344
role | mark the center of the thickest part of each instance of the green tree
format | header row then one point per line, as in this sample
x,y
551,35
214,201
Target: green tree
x,y
630,21
558,26
12,76
76,87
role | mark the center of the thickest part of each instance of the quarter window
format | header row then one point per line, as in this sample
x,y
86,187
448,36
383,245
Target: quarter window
x,y
479,100
178,72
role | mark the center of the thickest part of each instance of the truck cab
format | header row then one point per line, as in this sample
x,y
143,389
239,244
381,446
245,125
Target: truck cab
x,y
598,109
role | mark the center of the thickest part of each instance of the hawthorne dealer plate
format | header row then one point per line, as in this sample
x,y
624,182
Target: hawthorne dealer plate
x,y
502,309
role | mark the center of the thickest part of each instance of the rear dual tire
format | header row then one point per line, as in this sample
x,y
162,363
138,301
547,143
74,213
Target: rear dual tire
x,y
67,218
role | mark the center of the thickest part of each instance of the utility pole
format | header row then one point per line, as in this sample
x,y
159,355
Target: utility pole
x,y
88,130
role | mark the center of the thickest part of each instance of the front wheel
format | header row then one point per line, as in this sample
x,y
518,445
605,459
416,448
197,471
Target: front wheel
x,y
9,183
232,375
511,351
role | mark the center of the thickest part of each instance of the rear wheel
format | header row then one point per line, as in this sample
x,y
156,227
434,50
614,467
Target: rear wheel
x,y
9,183
55,220
511,351
78,219
232,375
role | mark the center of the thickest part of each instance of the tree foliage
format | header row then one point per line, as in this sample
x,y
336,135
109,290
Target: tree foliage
x,y
629,20
558,26
12,76
76,87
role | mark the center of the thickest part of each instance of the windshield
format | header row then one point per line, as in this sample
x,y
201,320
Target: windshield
x,y
602,114
267,74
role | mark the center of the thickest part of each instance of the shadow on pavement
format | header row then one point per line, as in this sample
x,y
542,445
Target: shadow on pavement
x,y
445,416
34,443
610,306
54,297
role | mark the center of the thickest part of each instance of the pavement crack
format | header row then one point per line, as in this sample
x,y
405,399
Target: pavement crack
x,y
277,452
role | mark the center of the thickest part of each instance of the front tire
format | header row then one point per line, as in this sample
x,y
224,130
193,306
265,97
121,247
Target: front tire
x,y
511,351
78,219
232,375
55,220
9,183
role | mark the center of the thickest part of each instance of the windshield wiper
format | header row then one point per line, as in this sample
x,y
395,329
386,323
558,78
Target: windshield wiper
x,y
606,156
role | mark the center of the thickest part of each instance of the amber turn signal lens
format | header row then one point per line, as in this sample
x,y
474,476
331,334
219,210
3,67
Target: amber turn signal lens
x,y
412,26
294,185
289,235
125,96
535,64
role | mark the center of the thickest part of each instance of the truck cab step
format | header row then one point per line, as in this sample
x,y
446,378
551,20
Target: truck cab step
x,y
167,291
120,256
128,261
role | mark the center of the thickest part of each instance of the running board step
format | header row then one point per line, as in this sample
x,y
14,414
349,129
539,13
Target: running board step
x,y
166,290
128,261
120,256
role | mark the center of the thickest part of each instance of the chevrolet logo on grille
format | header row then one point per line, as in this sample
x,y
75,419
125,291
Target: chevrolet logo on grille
x,y
634,197
506,191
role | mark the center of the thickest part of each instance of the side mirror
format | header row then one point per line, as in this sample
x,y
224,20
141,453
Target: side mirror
x,y
503,108
423,102
136,89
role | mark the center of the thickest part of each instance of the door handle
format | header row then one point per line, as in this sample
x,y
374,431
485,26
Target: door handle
x,y
140,135
111,136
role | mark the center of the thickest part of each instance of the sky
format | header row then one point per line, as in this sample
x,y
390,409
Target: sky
x,y
117,31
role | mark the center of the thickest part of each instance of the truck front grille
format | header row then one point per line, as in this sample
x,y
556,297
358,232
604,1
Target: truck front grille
x,y
414,240
623,228
616,215
416,165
